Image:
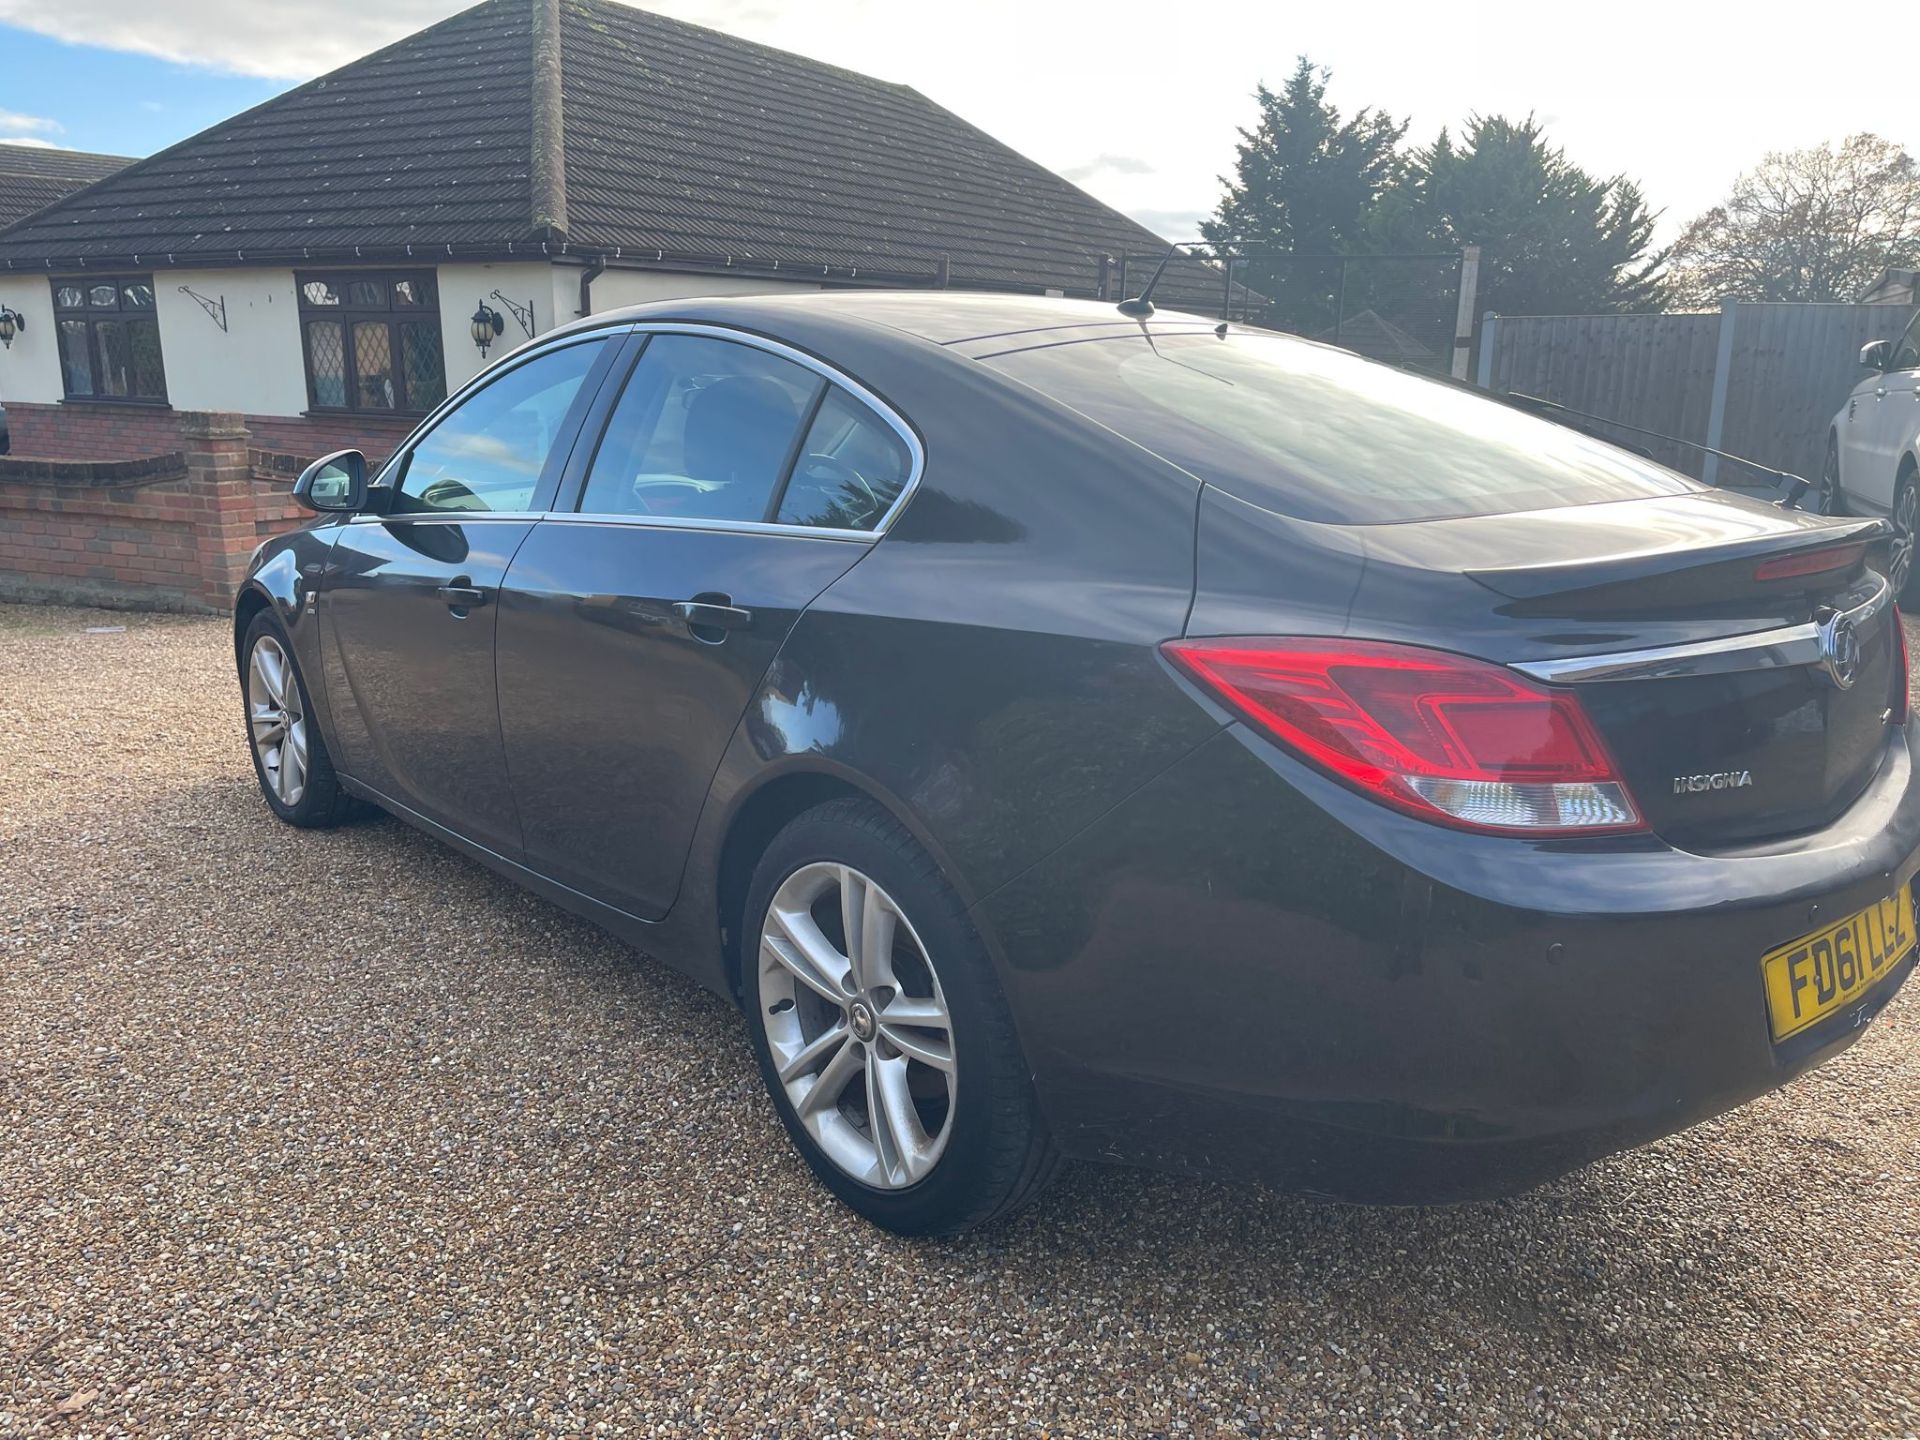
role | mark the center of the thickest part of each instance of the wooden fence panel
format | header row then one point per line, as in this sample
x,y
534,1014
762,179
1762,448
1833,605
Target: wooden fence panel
x,y
1655,371
1789,369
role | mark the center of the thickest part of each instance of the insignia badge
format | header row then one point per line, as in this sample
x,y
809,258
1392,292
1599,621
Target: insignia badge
x,y
1718,780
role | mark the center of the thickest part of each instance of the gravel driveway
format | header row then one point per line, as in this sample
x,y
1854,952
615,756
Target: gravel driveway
x,y
337,1134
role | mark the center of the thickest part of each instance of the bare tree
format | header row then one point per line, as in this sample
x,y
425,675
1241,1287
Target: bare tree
x,y
1815,224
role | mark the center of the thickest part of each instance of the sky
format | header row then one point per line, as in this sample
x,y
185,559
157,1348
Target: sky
x,y
1137,103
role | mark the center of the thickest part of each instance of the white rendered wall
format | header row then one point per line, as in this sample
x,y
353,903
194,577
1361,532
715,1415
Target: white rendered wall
x,y
464,287
615,287
30,370
254,366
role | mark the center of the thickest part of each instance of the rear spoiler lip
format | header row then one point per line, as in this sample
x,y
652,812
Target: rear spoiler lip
x,y
1570,577
1785,647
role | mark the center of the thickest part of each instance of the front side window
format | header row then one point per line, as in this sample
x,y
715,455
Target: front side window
x,y
109,338
1906,350
489,452
371,341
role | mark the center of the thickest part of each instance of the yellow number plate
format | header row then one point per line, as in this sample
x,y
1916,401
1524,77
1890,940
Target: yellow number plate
x,y
1810,978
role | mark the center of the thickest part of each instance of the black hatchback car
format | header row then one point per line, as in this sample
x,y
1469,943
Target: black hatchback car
x,y
1066,733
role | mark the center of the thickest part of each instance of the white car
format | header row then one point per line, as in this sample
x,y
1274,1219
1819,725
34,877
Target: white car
x,y
1873,450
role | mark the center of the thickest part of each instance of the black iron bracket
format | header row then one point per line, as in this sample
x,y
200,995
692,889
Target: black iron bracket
x,y
521,313
216,308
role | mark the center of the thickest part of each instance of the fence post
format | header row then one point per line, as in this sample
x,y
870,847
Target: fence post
x,y
1463,312
1489,334
1717,411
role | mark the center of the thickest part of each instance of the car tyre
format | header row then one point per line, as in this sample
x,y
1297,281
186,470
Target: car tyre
x,y
957,1147
1832,500
1906,520
290,758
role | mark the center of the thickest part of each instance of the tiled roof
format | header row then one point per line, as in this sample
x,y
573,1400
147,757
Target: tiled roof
x,y
32,176
634,136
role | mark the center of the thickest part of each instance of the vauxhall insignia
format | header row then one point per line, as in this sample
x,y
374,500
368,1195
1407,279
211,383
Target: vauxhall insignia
x,y
1718,780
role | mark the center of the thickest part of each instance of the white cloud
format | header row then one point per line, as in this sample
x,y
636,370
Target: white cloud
x,y
1107,165
1071,83
35,124
286,40
31,142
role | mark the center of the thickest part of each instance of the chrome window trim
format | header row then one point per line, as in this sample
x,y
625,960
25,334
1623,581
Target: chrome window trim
x,y
916,451
446,517
1781,648
746,527
917,454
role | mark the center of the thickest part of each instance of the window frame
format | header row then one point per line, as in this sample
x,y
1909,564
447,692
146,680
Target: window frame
x,y
573,489
349,315
1911,332
90,315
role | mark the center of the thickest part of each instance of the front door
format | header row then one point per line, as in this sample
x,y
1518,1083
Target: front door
x,y
731,486
1883,415
411,593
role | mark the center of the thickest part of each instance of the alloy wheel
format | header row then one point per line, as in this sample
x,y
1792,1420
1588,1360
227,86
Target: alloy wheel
x,y
1906,512
277,720
1829,500
858,1028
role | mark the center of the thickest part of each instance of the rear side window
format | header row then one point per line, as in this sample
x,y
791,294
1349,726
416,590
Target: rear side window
x,y
703,431
1323,435
850,470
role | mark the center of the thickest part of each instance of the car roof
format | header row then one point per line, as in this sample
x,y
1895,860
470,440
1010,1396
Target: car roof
x,y
945,317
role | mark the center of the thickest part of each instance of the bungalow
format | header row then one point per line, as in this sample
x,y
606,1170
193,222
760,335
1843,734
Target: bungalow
x,y
331,263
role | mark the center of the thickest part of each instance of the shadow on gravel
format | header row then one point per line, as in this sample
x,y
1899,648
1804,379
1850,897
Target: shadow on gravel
x,y
396,950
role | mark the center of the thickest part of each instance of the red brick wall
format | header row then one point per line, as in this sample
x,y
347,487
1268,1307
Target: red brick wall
x,y
128,432
170,532
127,544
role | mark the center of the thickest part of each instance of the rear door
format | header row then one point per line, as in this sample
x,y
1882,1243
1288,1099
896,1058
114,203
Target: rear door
x,y
410,592
732,482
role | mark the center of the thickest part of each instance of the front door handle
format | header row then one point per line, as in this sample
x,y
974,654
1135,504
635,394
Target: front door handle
x,y
712,615
462,594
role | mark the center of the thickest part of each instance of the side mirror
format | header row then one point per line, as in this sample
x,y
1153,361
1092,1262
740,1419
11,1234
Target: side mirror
x,y
333,484
1875,354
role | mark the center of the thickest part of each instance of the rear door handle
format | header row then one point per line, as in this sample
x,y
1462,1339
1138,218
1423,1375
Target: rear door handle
x,y
707,615
461,594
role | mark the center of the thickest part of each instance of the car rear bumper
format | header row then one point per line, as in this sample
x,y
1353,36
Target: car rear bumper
x,y
1248,968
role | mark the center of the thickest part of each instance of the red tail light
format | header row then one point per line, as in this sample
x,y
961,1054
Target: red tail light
x,y
1450,739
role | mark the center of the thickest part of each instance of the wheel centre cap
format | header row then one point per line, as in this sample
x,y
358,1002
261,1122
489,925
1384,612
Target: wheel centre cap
x,y
861,1021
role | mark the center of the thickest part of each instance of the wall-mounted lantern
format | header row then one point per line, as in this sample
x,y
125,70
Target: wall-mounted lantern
x,y
12,322
488,326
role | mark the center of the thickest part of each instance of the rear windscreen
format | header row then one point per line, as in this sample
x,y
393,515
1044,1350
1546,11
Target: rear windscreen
x,y
1323,435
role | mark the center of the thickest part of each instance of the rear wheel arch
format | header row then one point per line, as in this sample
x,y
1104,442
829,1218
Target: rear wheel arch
x,y
761,815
